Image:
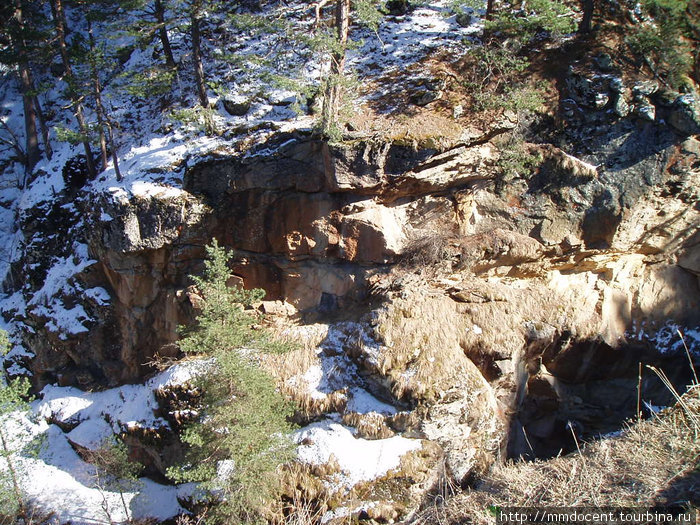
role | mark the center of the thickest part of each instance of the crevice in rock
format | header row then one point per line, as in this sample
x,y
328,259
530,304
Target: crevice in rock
x,y
585,390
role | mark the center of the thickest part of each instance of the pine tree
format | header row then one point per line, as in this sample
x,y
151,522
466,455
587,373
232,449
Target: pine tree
x,y
21,39
241,436
335,45
73,93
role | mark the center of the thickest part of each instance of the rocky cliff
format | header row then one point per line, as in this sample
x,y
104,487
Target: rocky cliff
x,y
486,307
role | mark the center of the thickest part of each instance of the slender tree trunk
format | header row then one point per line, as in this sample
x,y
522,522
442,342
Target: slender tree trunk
x,y
48,150
342,24
489,9
197,53
32,138
13,475
60,23
113,149
333,97
97,94
159,11
587,20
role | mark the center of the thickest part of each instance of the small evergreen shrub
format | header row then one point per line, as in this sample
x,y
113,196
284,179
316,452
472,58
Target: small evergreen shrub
x,y
662,41
242,434
198,118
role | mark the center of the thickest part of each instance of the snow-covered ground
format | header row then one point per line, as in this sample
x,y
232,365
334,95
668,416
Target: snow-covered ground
x,y
56,479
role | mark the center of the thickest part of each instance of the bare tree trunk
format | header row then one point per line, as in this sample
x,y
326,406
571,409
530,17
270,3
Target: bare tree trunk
x,y
97,94
32,139
587,20
60,23
48,150
197,53
159,12
489,9
333,98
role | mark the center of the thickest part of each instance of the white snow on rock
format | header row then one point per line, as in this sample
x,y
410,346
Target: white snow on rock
x,y
359,459
62,270
58,480
91,434
148,189
670,338
363,402
125,406
98,294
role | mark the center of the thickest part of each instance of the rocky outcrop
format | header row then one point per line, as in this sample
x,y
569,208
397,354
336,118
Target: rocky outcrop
x,y
312,223
510,309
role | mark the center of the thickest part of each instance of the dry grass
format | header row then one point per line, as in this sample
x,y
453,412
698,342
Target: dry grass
x,y
422,356
287,368
655,462
368,426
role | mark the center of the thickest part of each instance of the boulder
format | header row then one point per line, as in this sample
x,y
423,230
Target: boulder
x,y
498,247
685,115
645,111
425,91
621,107
236,105
374,234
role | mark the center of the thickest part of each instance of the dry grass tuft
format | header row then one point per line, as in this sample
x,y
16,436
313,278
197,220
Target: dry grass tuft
x,y
368,426
654,462
287,368
421,357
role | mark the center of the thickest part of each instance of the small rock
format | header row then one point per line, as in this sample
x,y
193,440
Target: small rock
x,y
426,91
645,89
236,105
398,7
604,62
645,111
464,19
691,146
621,107
279,308
601,100
616,85
685,115
570,109
458,111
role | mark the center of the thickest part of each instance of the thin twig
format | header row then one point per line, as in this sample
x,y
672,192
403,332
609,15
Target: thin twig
x,y
690,359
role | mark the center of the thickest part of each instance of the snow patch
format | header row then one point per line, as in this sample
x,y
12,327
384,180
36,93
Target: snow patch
x,y
358,459
62,270
99,295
